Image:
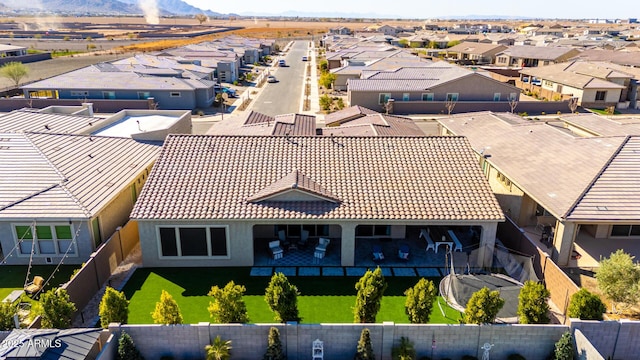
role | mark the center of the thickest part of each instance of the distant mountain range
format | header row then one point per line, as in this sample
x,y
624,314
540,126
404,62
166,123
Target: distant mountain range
x,y
102,7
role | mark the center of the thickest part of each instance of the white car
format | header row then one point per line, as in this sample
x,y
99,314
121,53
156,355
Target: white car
x,y
271,79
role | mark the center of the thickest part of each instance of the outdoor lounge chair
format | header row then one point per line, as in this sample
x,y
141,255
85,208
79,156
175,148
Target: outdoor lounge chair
x,y
34,286
275,249
282,236
378,255
304,238
403,252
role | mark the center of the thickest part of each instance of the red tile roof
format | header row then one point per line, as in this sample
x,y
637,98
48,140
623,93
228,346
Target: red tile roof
x,y
392,178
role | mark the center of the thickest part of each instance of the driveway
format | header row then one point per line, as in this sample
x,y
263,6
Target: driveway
x,y
283,97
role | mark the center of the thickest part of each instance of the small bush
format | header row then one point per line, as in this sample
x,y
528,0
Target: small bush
x,y
586,306
564,347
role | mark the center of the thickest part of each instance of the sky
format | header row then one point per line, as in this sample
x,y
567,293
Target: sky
x,y
425,9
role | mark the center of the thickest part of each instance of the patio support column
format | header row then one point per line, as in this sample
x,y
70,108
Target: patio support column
x,y
487,244
347,255
563,237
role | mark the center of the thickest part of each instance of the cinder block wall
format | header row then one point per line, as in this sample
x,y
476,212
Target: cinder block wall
x,y
340,340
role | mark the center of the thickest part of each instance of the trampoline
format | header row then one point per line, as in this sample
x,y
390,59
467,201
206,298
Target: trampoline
x,y
457,289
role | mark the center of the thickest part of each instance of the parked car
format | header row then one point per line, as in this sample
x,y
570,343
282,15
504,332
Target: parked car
x,y
305,58
282,62
271,79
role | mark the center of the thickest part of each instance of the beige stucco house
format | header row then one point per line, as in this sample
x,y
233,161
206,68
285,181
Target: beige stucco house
x,y
220,200
579,174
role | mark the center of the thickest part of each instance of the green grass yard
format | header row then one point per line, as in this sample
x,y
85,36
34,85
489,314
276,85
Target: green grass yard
x,y
323,299
12,277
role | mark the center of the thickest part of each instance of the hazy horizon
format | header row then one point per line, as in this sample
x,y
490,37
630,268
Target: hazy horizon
x,y
588,9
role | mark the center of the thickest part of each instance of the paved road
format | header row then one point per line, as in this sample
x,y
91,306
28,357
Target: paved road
x,y
284,96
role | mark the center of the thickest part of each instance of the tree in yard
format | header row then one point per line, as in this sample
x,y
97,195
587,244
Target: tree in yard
x,y
371,287
282,298
201,18
325,102
364,351
127,349
453,43
533,306
114,307
219,349
327,79
419,301
619,279
14,71
573,104
57,309
323,65
404,350
586,306
7,311
167,311
564,347
483,307
228,305
340,104
403,43
274,349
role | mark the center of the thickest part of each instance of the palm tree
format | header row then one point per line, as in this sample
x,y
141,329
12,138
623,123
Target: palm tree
x,y
219,349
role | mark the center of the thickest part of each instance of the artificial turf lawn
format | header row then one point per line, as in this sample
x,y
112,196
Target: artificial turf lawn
x,y
326,299
12,277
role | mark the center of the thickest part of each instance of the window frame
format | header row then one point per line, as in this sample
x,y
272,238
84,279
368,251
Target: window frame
x,y
406,96
630,231
497,96
603,96
109,95
175,94
387,96
452,97
428,97
53,240
178,243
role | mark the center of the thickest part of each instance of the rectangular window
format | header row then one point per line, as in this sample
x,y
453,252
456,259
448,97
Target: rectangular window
x,y
193,241
168,243
382,230
427,97
218,239
50,239
108,94
316,230
405,97
620,230
79,94
175,94
496,96
452,96
373,230
206,241
383,98
513,96
144,95
601,95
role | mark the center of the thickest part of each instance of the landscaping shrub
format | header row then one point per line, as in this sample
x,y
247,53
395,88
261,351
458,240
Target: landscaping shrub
x,y
420,300
586,306
370,287
114,307
219,349
228,305
274,348
166,311
364,351
404,351
533,306
57,309
7,311
483,307
127,349
282,298
564,347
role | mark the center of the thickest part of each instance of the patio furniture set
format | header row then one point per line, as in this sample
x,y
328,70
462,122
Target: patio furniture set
x,y
276,247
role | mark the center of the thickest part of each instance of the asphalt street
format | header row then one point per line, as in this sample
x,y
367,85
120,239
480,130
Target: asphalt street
x,y
283,97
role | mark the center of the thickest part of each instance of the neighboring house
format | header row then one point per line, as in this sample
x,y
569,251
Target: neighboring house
x,y
108,81
140,125
532,56
242,190
49,344
438,82
340,30
578,174
374,125
347,114
61,196
593,84
479,53
391,61
12,50
255,123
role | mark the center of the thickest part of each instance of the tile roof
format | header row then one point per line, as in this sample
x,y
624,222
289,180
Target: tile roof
x,y
547,162
401,178
255,123
27,120
346,114
563,74
296,181
537,52
615,194
475,48
604,126
375,125
73,344
63,176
